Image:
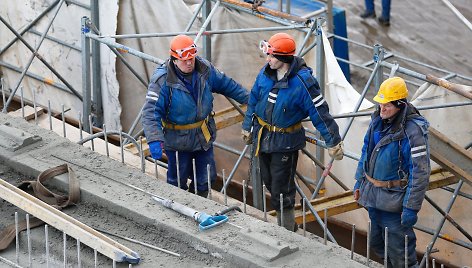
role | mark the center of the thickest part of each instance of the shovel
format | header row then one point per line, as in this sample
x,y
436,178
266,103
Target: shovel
x,y
205,221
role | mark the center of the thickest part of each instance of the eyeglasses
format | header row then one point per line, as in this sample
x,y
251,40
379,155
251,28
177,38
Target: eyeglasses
x,y
186,53
266,47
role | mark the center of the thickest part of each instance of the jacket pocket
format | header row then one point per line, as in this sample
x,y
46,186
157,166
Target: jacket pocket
x,y
390,199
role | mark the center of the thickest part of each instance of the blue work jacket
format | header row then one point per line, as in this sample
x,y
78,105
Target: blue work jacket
x,y
168,99
402,152
296,96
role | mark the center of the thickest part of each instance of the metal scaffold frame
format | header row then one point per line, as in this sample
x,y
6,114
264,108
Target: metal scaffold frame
x,y
91,38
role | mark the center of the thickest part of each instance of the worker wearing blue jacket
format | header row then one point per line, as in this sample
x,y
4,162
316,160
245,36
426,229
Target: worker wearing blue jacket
x,y
284,93
178,113
393,172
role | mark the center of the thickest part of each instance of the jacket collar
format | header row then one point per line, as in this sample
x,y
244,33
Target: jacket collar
x,y
296,65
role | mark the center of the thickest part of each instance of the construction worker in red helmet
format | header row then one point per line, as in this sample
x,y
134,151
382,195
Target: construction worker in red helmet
x,y
393,172
178,113
284,93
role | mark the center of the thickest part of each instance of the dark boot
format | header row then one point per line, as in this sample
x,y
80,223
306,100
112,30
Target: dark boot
x,y
384,22
288,219
368,14
203,193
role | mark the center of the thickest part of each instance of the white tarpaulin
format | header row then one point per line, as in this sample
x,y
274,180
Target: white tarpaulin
x,y
65,60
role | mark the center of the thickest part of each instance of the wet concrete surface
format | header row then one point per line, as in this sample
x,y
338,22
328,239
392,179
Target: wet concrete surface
x,y
111,204
423,30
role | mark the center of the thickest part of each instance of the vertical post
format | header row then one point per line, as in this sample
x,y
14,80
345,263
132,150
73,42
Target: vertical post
x,y
17,241
209,181
304,216
406,251
281,209
264,201
320,76
256,180
378,57
329,14
353,240
96,80
368,244
325,233
206,40
86,94
244,196
287,7
46,235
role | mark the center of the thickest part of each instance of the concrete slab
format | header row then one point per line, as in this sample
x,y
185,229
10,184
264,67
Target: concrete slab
x,y
125,192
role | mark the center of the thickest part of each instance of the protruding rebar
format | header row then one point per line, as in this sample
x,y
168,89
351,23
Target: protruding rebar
x,y
47,244
50,114
353,240
95,257
2,84
406,251
225,192
281,209
244,196
434,263
155,169
426,254
22,100
209,181
28,237
63,121
105,136
386,248
17,242
91,131
80,126
114,264
178,168
64,238
143,165
79,263
325,233
264,201
194,176
304,216
35,108
121,147
368,243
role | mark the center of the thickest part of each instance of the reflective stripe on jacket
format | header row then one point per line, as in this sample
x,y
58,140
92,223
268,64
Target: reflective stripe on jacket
x,y
405,144
298,97
168,99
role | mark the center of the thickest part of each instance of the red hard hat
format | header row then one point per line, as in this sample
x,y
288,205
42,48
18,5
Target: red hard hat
x,y
279,44
182,47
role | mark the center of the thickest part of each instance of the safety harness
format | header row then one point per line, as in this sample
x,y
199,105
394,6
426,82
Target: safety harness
x,y
202,124
273,128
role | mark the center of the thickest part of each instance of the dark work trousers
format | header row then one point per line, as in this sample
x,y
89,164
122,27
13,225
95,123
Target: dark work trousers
x,y
396,238
277,172
202,159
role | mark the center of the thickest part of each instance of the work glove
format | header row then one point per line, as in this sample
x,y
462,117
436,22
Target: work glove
x,y
409,217
247,136
336,151
356,190
155,148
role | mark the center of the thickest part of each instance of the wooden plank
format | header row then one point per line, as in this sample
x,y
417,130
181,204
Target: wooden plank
x,y
67,224
345,202
450,155
29,112
228,120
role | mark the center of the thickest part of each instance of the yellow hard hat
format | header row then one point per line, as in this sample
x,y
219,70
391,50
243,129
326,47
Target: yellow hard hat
x,y
392,89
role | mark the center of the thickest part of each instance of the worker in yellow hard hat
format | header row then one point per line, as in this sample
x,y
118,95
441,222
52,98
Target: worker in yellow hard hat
x,y
393,172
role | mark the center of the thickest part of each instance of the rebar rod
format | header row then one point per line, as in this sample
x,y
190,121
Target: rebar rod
x,y
448,217
441,224
313,211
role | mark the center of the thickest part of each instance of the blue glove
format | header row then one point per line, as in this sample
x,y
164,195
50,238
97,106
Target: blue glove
x,y
409,217
155,148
